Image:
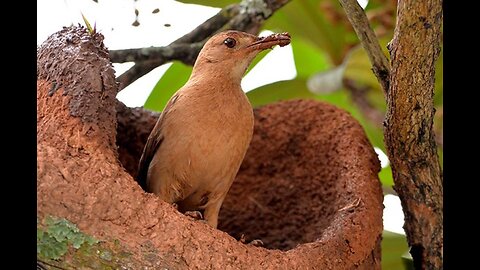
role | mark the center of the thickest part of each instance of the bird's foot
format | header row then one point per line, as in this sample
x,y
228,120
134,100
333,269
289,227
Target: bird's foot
x,y
175,205
194,214
256,243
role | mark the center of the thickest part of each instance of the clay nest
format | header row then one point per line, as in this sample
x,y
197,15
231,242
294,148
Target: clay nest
x,y
308,187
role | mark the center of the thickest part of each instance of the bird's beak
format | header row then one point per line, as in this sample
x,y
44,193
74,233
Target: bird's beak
x,y
263,43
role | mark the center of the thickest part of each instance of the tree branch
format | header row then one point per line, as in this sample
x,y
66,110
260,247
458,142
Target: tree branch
x,y
211,25
186,48
184,52
359,21
409,134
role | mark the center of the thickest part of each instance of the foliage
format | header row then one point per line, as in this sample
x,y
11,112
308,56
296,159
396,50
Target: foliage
x,y
58,234
393,247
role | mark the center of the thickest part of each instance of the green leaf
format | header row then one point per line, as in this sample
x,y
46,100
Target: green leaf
x,y
282,90
359,68
309,59
306,20
174,78
408,261
385,176
89,27
393,247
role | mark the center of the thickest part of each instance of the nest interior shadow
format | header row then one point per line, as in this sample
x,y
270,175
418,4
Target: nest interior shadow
x,y
295,178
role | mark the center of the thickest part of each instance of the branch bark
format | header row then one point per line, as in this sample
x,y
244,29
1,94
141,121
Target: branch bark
x,y
409,134
186,48
359,21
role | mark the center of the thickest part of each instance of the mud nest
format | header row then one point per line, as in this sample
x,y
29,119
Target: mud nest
x,y
308,187
295,178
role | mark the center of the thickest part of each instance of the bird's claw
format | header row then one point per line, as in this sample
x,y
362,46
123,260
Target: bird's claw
x,y
194,214
256,243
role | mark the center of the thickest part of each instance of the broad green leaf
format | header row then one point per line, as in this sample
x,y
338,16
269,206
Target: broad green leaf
x,y
305,19
309,59
175,77
359,69
393,247
386,177
282,90
408,261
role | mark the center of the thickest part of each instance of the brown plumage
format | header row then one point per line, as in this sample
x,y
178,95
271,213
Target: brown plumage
x,y
197,145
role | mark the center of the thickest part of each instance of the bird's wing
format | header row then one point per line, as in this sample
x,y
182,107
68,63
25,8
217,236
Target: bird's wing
x,y
153,143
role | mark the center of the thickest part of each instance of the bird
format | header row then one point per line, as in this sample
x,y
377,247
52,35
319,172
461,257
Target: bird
x,y
198,143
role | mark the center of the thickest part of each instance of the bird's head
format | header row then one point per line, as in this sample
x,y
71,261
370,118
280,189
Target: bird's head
x,y
230,53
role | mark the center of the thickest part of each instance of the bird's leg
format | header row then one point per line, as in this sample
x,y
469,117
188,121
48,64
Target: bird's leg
x,y
211,212
255,242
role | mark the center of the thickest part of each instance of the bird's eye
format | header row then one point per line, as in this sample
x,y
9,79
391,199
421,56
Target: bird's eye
x,y
230,42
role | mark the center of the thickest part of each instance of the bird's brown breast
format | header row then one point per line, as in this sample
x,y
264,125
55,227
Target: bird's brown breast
x,y
206,136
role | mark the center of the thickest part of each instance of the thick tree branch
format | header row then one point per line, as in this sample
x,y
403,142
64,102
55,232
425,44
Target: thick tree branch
x,y
359,21
409,133
185,49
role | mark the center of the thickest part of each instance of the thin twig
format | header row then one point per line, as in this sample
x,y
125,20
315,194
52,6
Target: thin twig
x,y
210,26
186,48
359,21
352,205
184,52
